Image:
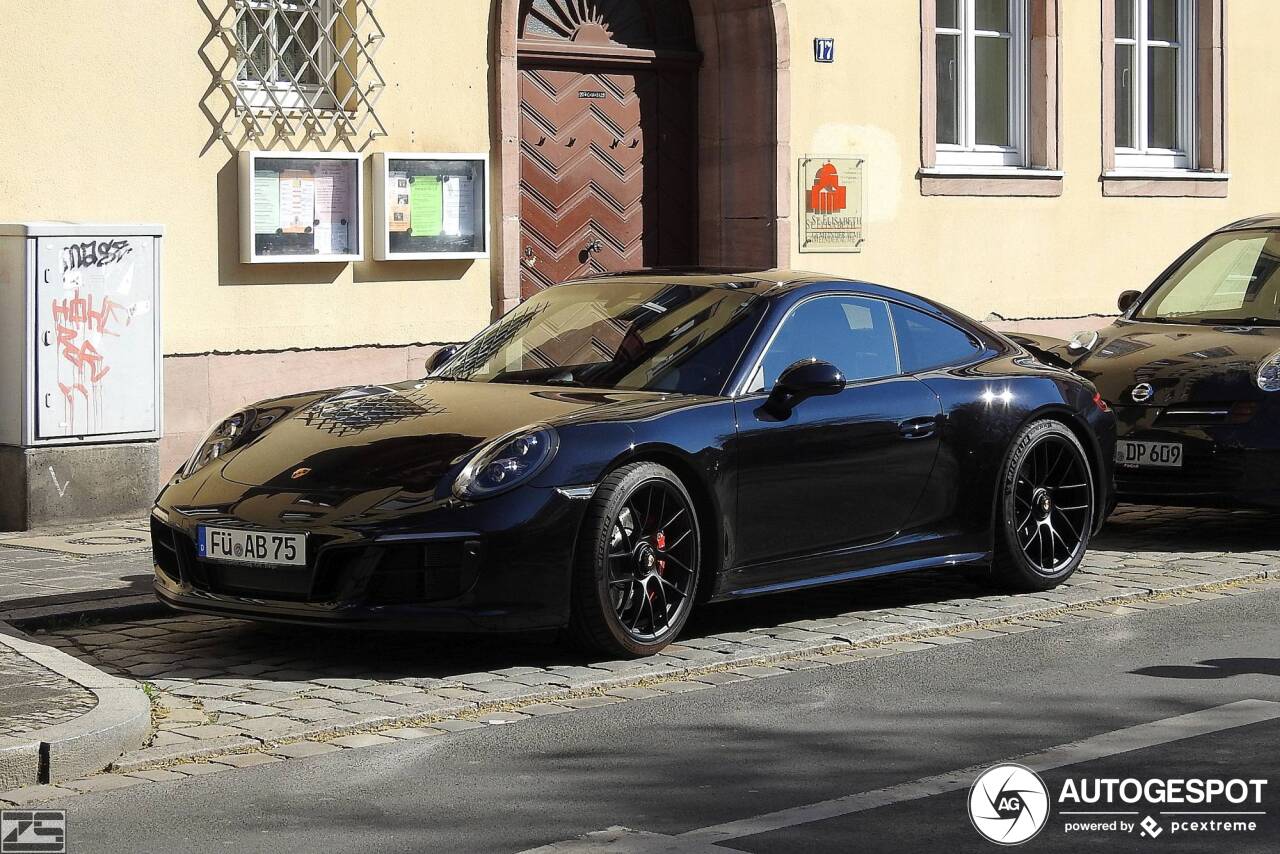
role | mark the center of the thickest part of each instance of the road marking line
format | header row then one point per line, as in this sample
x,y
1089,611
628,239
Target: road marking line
x,y
1153,734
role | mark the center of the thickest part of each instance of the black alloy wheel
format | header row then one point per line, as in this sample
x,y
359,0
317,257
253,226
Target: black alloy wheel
x,y
638,562
1046,508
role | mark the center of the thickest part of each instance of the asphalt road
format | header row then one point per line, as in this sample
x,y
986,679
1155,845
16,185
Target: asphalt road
x,y
678,764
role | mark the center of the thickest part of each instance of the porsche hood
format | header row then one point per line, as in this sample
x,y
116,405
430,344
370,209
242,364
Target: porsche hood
x,y
404,436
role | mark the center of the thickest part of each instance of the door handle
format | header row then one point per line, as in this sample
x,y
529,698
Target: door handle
x,y
918,428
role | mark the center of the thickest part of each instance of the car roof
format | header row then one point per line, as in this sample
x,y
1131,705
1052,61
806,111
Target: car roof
x,y
773,282
1271,220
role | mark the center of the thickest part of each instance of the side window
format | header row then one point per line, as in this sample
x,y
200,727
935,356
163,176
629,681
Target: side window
x,y
926,342
853,333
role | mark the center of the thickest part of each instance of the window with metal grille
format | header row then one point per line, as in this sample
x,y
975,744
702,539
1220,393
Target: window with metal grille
x,y
283,52
305,66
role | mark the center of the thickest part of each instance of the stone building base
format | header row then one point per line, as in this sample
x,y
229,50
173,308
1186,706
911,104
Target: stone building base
x,y
52,486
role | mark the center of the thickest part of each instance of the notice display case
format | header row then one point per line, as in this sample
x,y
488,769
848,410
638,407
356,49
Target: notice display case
x,y
430,206
302,207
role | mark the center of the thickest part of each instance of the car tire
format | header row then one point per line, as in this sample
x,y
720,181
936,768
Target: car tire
x,y
637,566
1045,508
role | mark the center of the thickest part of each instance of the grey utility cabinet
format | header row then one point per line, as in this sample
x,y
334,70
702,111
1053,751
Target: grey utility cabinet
x,y
80,370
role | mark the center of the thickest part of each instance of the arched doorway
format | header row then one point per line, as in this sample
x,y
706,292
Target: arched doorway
x,y
608,138
735,185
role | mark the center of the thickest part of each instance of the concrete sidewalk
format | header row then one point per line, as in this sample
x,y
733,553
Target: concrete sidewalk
x,y
62,718
75,570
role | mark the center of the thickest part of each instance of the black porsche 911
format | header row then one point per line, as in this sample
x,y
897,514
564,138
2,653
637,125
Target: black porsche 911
x,y
616,449
1192,368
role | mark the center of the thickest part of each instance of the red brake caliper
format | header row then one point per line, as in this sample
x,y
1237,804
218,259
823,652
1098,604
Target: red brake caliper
x,y
659,540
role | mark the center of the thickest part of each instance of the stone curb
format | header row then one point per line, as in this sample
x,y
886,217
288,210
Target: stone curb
x,y
134,606
120,722
891,634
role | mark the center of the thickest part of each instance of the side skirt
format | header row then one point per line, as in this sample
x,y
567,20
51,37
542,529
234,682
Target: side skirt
x,y
941,562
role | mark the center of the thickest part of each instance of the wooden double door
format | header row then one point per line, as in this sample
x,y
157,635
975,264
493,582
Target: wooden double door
x,y
608,170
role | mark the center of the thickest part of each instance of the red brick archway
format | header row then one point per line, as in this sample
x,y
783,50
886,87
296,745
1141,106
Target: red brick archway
x,y
743,155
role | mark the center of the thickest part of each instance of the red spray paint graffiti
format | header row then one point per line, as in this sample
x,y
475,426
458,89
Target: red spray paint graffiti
x,y
75,319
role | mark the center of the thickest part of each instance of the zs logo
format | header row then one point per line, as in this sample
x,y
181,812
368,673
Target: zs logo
x,y
33,832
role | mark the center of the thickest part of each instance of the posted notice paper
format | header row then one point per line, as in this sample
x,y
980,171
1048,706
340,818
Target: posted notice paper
x,y
426,203
398,201
297,200
459,206
266,202
333,205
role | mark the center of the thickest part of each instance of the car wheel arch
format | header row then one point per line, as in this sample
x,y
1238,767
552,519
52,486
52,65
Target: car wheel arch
x,y
1088,441
710,517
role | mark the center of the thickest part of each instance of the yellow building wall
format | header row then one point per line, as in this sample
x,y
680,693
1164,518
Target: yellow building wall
x,y
1019,257
111,112
105,120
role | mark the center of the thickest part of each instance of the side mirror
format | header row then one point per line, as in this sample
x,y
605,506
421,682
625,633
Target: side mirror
x,y
806,378
439,357
1127,299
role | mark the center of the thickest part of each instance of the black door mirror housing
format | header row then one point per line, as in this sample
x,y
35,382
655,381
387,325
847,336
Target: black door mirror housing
x,y
1127,299
439,357
802,380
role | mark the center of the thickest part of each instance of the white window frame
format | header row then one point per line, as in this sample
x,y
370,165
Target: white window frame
x,y
260,94
968,152
1142,155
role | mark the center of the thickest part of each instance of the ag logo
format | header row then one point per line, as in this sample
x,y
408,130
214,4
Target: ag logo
x,y
1009,804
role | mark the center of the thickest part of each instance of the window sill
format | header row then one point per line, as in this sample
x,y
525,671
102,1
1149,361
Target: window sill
x,y
1168,183
989,181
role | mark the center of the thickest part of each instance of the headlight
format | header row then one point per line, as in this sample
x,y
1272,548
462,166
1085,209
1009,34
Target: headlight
x,y
219,440
506,462
1083,342
1269,373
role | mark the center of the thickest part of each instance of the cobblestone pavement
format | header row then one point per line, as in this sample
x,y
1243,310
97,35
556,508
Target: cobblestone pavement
x,y
132,772
33,697
225,685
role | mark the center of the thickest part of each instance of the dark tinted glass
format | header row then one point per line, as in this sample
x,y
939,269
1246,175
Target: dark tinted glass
x,y
927,343
852,333
617,334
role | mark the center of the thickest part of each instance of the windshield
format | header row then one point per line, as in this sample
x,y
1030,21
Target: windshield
x,y
1230,279
616,334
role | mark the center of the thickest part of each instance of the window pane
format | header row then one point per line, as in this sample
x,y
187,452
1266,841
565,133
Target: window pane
x,y
1124,19
927,343
294,49
1162,20
1232,275
1162,104
257,65
992,15
991,71
948,15
1124,96
948,51
851,333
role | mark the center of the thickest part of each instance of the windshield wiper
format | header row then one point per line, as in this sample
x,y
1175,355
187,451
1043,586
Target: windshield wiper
x,y
1239,321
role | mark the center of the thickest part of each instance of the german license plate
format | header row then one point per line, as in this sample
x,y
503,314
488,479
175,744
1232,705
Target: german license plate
x,y
260,548
1164,455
